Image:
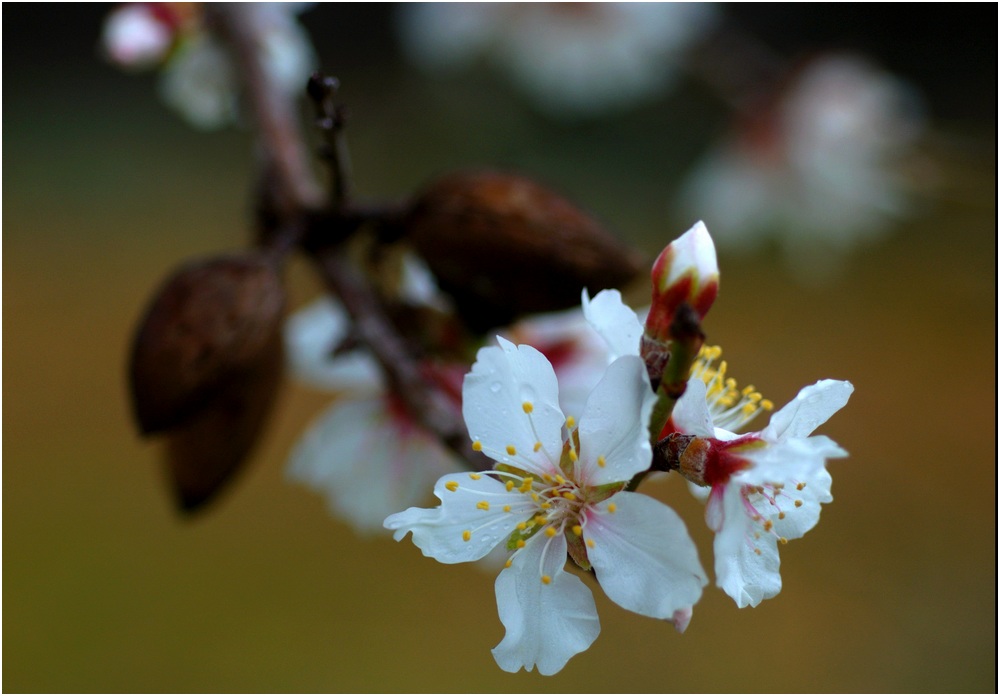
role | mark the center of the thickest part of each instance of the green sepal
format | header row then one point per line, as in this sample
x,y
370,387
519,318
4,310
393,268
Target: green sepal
x,y
577,550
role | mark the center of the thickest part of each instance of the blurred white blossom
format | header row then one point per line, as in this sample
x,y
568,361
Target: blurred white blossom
x,y
572,59
198,75
821,168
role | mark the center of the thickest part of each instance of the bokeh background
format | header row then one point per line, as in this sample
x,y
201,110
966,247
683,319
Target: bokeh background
x,y
107,588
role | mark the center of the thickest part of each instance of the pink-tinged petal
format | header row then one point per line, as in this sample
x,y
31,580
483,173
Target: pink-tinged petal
x,y
643,556
808,410
691,415
693,253
614,321
682,618
367,464
746,565
510,401
312,334
546,623
715,512
614,428
476,514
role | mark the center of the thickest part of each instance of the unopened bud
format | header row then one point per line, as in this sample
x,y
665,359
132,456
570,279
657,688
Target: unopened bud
x,y
685,272
502,246
681,618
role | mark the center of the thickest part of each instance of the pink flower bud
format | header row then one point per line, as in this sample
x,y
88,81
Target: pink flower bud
x,y
686,271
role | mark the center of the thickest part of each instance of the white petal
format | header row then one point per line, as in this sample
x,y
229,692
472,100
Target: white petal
x,y
311,335
791,459
546,624
614,427
691,415
643,556
577,354
366,463
614,321
494,394
808,410
744,574
470,521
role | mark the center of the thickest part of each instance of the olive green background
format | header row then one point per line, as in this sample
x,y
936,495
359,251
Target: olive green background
x,y
106,588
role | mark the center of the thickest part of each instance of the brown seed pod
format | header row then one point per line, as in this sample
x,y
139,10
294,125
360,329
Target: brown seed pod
x,y
210,321
502,246
205,368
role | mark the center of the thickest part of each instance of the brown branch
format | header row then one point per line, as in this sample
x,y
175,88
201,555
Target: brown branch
x,y
296,202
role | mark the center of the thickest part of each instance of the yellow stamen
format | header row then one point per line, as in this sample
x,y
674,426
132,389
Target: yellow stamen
x,y
570,422
590,543
507,564
477,446
546,580
612,507
550,531
520,543
452,486
475,477
509,486
511,450
483,505
506,508
538,446
601,461
528,407
577,529
466,535
569,496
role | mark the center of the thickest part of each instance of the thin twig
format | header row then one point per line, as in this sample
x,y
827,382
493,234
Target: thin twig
x,y
297,203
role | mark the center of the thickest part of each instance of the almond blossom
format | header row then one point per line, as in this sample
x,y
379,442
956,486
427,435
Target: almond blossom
x,y
558,488
765,487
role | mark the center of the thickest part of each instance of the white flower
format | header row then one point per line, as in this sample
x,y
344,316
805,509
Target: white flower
x,y
823,170
199,78
557,489
573,59
765,487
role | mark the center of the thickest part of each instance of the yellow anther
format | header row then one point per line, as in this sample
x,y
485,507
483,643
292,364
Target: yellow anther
x,y
570,422
511,450
560,480
748,409
534,497
800,486
475,477
528,407
507,564
545,506
577,529
550,531
520,543
452,486
782,540
602,462
781,515
466,535
538,446
768,525
541,519
590,543
546,580
477,446
569,496
522,525
546,478
483,505
612,507
572,455
509,486
798,503
506,508
766,404
757,551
